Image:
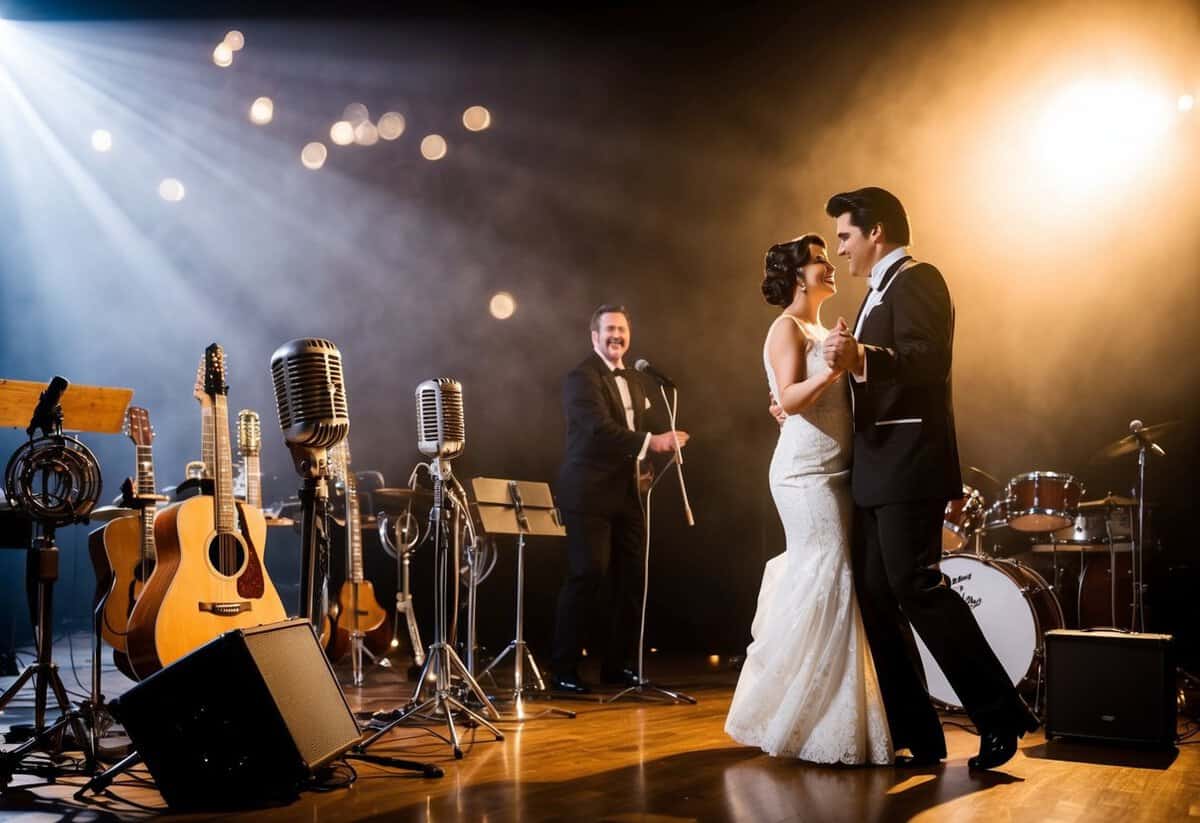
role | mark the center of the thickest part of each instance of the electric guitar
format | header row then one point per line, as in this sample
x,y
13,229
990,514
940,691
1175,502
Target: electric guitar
x,y
249,433
356,609
125,547
210,576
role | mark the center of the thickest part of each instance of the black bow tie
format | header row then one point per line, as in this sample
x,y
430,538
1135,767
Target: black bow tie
x,y
621,373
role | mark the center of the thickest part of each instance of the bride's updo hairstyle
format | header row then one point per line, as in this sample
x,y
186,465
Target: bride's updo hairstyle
x,y
783,265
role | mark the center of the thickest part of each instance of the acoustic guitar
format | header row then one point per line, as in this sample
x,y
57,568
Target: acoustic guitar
x,y
356,609
123,551
210,576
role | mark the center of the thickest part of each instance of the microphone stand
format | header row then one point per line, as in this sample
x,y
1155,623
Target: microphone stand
x,y
643,687
312,464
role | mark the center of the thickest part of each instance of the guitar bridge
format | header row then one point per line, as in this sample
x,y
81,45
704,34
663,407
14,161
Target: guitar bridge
x,y
226,609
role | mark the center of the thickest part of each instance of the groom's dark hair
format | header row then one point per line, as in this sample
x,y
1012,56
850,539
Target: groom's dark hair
x,y
871,206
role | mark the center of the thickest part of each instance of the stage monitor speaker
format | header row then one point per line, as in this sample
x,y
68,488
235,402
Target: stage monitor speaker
x,y
1110,686
242,721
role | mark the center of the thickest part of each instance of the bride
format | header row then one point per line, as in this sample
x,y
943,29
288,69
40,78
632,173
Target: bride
x,y
808,688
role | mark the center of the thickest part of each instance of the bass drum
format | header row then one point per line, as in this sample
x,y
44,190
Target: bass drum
x,y
1014,607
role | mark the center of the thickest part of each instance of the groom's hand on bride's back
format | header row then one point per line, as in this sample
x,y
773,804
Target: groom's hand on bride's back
x,y
776,410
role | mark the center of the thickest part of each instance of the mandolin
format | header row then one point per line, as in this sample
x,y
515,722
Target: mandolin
x,y
123,550
210,576
356,609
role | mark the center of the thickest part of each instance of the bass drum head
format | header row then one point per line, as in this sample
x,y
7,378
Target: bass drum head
x,y
993,590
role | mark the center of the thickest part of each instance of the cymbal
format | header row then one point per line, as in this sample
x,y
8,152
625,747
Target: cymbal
x,y
1109,501
279,521
401,494
981,473
103,514
1131,442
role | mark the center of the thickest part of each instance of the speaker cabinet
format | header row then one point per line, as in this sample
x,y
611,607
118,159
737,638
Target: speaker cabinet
x,y
1110,686
241,721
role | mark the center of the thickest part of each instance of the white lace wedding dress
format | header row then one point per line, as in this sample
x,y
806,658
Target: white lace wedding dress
x,y
808,687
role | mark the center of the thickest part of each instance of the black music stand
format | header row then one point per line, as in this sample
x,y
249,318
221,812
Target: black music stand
x,y
520,508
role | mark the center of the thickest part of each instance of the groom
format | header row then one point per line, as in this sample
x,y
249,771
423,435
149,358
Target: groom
x,y
905,470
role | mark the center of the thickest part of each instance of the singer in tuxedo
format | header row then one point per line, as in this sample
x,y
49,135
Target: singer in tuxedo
x,y
606,410
905,469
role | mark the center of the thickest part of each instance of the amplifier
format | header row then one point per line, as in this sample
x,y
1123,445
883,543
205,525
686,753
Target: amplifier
x,y
241,721
1110,686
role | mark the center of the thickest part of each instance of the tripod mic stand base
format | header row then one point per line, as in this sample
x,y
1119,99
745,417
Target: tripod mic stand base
x,y
646,689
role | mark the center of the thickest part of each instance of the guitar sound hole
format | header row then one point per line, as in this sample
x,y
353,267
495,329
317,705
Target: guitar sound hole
x,y
226,554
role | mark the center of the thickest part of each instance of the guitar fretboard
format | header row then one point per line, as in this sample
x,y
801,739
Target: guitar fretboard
x,y
145,487
223,501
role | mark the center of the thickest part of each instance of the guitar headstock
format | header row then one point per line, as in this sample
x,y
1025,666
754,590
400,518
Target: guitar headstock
x,y
137,426
198,388
214,371
249,432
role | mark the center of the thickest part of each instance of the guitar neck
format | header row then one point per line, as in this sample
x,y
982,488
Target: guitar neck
x,y
252,470
353,529
223,501
145,488
207,449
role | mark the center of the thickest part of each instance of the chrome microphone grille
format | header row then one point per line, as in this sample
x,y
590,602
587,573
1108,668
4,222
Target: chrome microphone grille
x,y
310,392
441,430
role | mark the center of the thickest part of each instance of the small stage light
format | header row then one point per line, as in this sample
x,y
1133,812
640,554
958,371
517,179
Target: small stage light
x,y
477,118
714,660
235,40
502,305
355,113
171,190
262,111
102,140
223,56
341,133
313,155
1186,102
433,147
365,133
391,125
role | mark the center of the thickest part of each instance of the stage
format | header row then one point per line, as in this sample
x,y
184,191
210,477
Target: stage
x,y
650,761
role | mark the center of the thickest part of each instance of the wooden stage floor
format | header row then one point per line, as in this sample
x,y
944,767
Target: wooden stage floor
x,y
655,762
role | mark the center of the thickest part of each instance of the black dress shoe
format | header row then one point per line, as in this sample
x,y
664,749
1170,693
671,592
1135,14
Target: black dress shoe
x,y
995,749
570,683
624,677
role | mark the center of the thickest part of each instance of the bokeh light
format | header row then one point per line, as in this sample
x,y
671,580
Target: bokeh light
x,y
262,111
1186,102
356,113
235,40
102,140
502,305
223,56
391,125
313,155
365,133
171,190
341,133
433,147
477,118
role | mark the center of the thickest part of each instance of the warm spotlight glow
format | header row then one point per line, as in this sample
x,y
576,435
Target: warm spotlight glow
x,y
502,306
356,113
262,111
477,118
102,140
433,147
223,56
171,190
365,133
391,125
714,660
313,155
235,40
341,133
1186,102
1093,133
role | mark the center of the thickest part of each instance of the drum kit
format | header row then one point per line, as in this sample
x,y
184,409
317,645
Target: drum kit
x,y
1040,515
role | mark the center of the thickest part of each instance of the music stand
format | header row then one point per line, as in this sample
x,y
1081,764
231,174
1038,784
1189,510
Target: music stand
x,y
79,409
519,507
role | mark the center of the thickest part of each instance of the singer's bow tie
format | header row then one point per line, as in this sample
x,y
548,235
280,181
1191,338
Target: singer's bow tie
x,y
621,373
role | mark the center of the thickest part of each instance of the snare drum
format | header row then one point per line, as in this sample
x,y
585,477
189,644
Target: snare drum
x,y
1042,501
1014,607
1095,527
963,517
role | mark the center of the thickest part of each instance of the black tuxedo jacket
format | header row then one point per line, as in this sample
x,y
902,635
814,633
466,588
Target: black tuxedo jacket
x,y
904,441
599,470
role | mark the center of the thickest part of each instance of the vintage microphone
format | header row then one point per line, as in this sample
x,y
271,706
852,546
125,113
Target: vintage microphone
x,y
441,430
310,396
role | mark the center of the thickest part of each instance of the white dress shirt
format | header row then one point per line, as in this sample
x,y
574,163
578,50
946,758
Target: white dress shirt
x,y
875,295
627,401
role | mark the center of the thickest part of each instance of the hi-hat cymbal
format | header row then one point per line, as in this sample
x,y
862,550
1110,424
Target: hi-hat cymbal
x,y
1132,442
103,514
1109,501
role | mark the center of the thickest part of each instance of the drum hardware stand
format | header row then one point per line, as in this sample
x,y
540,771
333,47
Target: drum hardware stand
x,y
405,541
641,686
520,508
442,663
55,480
